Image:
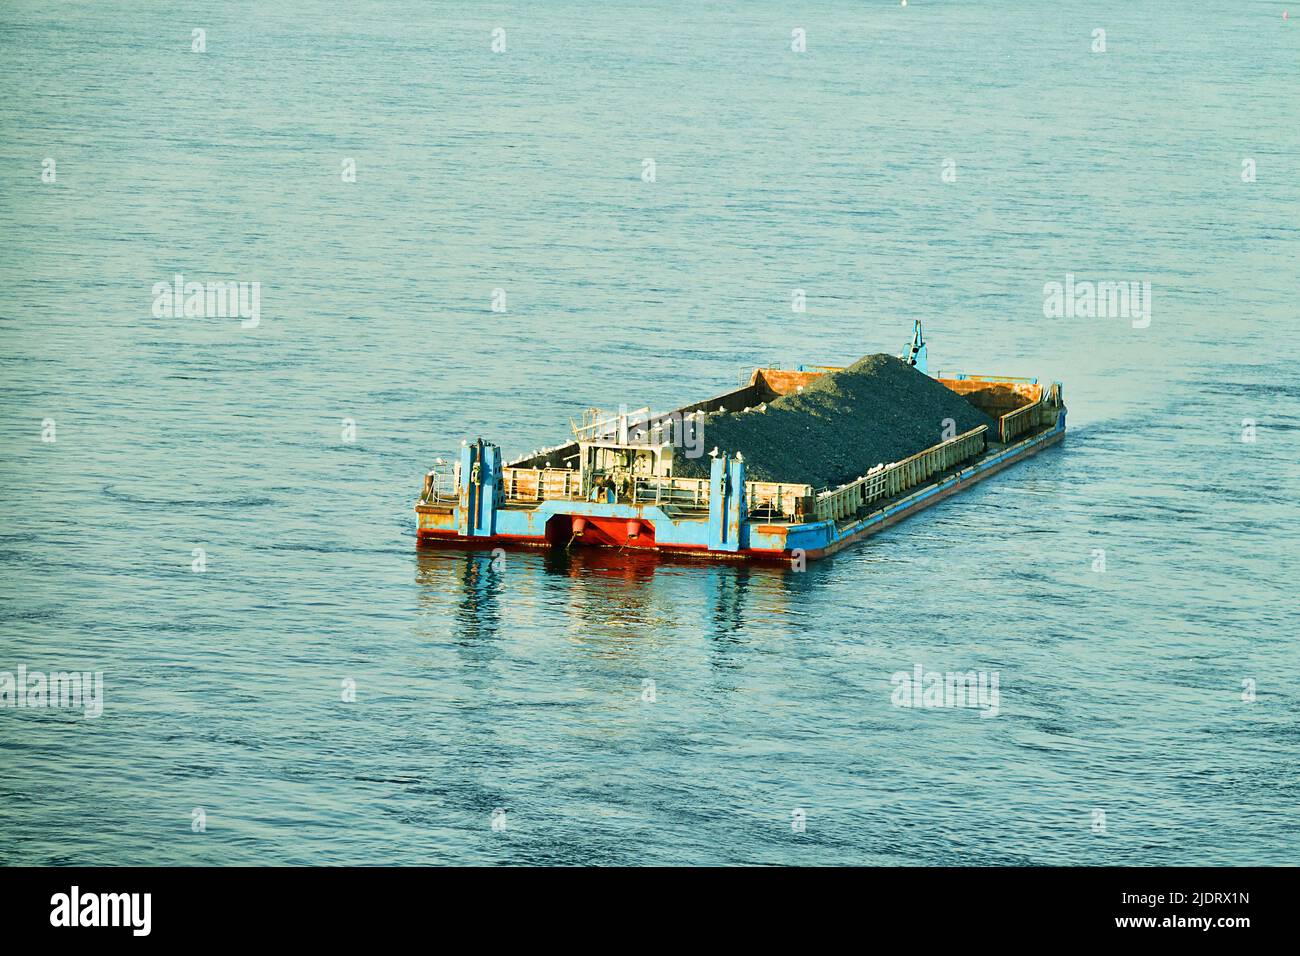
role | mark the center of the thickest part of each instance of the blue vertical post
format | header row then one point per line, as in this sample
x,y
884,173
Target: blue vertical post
x,y
467,513
490,483
480,486
717,501
737,511
726,499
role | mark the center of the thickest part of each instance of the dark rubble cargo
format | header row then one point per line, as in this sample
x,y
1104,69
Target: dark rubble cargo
x,y
878,410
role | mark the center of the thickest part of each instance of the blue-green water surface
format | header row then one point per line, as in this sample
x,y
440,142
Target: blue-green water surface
x,y
522,688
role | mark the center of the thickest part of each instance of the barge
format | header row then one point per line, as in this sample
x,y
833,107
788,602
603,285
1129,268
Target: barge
x,y
613,484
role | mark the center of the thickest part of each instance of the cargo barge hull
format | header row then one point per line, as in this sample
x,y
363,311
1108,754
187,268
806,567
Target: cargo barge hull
x,y
724,517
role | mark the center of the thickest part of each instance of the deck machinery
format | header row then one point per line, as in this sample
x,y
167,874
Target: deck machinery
x,y
613,484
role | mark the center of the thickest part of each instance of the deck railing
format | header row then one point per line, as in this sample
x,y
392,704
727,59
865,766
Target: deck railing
x,y
681,492
540,484
1017,422
774,498
1028,417
886,481
438,486
965,377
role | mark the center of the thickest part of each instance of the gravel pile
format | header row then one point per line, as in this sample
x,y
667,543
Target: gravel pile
x,y
880,409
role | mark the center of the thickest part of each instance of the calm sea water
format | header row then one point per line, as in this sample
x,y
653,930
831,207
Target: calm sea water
x,y
1120,691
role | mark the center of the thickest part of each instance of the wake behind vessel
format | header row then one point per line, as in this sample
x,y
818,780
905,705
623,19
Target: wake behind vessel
x,y
639,479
